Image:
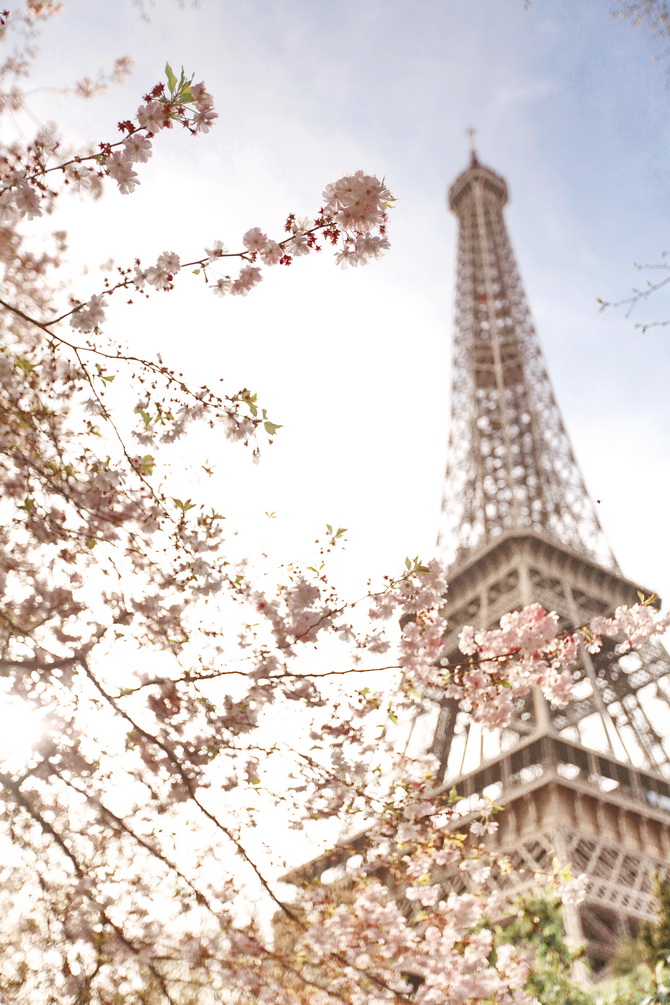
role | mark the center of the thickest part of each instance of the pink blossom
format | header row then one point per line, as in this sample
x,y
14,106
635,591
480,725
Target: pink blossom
x,y
88,88
216,251
90,316
467,642
377,644
421,644
357,202
573,889
138,148
272,253
255,240
249,277
463,910
369,246
221,287
43,9
122,68
426,895
414,811
558,687
425,589
495,713
152,116
512,966
407,832
203,121
139,278
162,273
640,622
27,201
237,427
603,626
120,168
203,99
384,607
299,245
168,261
347,256
528,631
481,827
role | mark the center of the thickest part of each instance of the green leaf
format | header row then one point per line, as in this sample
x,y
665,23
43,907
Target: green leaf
x,y
171,79
24,364
28,505
183,506
250,399
103,374
91,542
147,464
271,427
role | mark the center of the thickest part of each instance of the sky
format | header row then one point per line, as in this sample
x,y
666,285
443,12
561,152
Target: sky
x,y
570,105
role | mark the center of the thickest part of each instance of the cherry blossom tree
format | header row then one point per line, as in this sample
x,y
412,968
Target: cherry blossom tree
x,y
178,697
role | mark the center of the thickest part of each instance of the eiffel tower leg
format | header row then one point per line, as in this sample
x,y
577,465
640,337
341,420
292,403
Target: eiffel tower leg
x,y
571,916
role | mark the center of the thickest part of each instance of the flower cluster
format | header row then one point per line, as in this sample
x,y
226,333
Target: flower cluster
x,y
526,651
353,220
90,316
448,957
185,103
357,202
361,200
568,889
25,192
636,624
417,600
297,615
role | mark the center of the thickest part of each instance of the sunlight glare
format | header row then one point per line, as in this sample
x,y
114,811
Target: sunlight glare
x,y
20,731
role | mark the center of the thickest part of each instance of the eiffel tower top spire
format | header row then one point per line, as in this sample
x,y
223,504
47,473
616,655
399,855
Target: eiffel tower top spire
x,y
510,464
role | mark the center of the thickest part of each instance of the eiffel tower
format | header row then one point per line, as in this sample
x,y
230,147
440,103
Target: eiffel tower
x,y
589,783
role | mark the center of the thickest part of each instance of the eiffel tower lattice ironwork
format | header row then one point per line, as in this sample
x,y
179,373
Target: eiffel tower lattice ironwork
x,y
511,463
588,783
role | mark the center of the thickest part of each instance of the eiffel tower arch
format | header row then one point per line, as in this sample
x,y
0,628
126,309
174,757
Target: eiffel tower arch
x,y
588,783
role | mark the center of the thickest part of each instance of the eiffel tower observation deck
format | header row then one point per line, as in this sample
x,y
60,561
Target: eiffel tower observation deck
x,y
588,783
